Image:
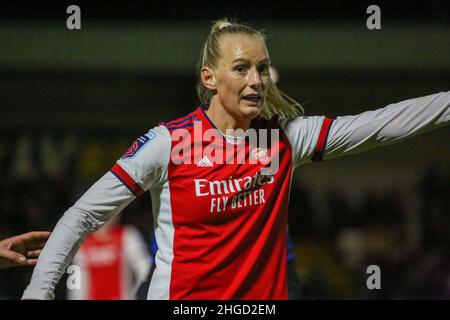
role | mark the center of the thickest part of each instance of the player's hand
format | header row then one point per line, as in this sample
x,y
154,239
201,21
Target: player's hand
x,y
22,250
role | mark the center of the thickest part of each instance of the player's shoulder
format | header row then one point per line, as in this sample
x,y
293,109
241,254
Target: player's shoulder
x,y
300,122
185,122
152,149
156,137
278,122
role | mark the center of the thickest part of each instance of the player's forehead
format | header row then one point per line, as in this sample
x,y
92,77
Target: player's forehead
x,y
242,47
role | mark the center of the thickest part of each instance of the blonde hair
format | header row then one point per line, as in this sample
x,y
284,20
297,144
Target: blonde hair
x,y
275,103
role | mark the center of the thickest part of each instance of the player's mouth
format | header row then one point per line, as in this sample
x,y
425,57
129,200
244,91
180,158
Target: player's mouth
x,y
253,99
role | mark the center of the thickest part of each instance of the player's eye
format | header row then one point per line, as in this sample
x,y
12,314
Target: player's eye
x,y
240,69
263,69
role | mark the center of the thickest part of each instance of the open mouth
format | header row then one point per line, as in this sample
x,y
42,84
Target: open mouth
x,y
253,98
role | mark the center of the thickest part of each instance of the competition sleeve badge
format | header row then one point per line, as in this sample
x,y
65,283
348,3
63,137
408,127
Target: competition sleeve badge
x,y
138,145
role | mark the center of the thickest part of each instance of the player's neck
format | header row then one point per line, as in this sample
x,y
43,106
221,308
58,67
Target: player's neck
x,y
223,120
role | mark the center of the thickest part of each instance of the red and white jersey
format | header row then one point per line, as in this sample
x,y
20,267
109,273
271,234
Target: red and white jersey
x,y
112,265
221,228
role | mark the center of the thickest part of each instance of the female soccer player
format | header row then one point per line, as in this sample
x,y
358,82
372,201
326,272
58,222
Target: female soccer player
x,y
220,216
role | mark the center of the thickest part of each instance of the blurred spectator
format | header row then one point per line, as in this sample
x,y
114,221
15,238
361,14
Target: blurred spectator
x,y
113,263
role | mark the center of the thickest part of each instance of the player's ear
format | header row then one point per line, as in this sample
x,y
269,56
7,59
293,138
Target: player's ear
x,y
208,78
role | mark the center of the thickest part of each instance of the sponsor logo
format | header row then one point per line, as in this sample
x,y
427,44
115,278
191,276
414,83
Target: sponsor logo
x,y
205,187
230,194
204,162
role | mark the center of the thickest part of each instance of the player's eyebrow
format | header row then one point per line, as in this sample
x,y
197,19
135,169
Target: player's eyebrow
x,y
265,60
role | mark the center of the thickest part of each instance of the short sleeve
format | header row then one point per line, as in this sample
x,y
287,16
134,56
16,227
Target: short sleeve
x,y
144,164
307,136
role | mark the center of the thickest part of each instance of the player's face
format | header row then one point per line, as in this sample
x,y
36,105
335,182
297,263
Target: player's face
x,y
242,75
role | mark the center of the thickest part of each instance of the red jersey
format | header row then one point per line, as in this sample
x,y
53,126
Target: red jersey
x,y
220,225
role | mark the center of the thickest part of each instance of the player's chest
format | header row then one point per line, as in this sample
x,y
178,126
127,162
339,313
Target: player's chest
x,y
206,191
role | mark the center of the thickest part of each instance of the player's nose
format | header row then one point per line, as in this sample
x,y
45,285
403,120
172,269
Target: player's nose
x,y
254,78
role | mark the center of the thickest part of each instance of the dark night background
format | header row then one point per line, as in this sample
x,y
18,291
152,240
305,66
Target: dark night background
x,y
71,102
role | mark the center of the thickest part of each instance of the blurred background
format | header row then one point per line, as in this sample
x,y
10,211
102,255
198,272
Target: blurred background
x,y
72,101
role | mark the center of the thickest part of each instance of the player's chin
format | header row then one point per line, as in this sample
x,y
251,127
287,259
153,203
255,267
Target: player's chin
x,y
250,110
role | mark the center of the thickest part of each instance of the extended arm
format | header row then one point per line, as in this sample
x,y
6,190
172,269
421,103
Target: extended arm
x,y
393,123
316,138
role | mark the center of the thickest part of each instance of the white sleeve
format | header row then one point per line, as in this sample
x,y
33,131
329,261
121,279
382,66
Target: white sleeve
x,y
393,123
107,197
137,256
303,134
